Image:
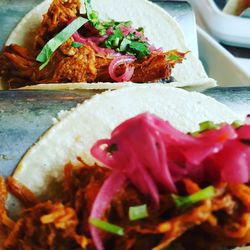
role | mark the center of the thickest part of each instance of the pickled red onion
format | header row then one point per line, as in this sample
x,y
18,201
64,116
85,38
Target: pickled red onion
x,y
130,30
152,48
129,71
102,201
153,155
92,42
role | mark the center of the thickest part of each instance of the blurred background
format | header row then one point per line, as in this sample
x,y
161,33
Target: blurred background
x,y
228,21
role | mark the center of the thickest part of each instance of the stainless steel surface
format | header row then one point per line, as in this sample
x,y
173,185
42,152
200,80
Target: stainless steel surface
x,y
26,115
11,13
236,98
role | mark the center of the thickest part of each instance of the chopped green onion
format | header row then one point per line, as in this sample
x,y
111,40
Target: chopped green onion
x,y
105,226
44,65
53,44
207,125
184,202
76,44
204,126
93,18
195,134
114,39
140,29
236,124
116,42
174,57
138,212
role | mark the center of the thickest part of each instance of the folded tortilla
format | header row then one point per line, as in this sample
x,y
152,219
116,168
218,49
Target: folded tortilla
x,y
161,29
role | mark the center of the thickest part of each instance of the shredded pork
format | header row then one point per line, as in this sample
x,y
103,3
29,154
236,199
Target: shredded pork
x,y
63,223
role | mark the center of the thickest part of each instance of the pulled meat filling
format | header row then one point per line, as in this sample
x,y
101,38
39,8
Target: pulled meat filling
x,y
214,223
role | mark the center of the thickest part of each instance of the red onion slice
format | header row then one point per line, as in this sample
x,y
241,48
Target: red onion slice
x,y
103,199
153,155
129,71
92,42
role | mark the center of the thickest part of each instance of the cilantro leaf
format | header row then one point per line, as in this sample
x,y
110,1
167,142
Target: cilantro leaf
x,y
130,44
124,44
140,49
113,40
174,57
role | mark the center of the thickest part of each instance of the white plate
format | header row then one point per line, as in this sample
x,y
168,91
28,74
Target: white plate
x,y
220,64
228,29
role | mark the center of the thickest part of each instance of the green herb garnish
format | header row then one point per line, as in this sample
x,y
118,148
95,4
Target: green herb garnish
x,y
236,124
173,57
105,226
138,212
207,125
53,44
111,41
124,44
139,49
93,18
76,44
184,202
130,44
101,26
204,126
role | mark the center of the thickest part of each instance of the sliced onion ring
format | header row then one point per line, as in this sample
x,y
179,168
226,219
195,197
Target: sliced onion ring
x,y
129,71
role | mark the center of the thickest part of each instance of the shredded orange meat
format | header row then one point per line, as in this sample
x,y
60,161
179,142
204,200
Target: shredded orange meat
x,y
63,223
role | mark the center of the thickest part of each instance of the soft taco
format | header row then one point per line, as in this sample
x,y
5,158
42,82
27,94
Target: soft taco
x,y
148,185
136,42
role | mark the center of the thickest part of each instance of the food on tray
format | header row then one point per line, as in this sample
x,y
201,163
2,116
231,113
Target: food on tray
x,y
72,47
148,185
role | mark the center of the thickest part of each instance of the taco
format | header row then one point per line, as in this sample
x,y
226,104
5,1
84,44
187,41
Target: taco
x,y
65,46
149,185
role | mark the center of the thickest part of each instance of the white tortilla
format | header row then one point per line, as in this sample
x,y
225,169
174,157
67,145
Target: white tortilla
x,y
80,128
161,29
198,86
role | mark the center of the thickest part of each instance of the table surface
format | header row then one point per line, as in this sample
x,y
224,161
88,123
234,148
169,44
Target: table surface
x,y
11,12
